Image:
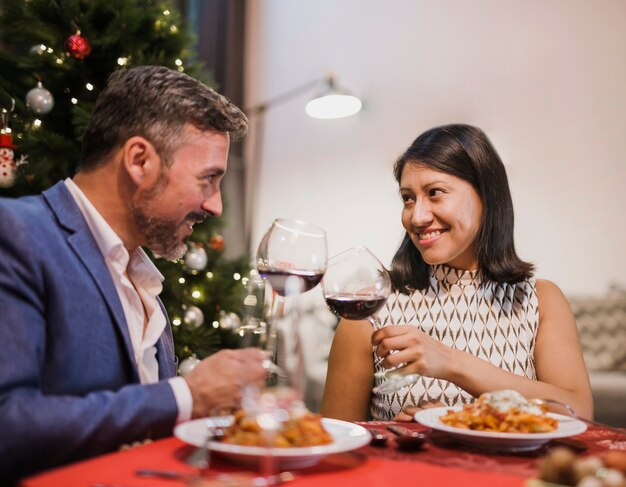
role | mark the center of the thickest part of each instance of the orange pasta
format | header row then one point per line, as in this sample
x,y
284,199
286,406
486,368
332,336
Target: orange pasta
x,y
302,430
503,412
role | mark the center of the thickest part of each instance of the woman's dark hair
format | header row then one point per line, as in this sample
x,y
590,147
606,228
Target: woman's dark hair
x,y
465,152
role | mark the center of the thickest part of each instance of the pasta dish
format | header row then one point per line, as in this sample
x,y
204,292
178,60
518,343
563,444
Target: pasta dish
x,y
504,411
304,429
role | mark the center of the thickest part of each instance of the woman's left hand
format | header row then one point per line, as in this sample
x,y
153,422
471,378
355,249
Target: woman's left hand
x,y
406,344
408,413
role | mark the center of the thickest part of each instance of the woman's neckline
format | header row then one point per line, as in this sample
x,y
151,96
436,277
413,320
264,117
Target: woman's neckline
x,y
450,275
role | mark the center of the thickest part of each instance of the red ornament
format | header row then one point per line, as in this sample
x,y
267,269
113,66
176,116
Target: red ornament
x,y
77,46
216,242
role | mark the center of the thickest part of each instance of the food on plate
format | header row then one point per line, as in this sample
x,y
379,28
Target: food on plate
x,y
301,428
504,411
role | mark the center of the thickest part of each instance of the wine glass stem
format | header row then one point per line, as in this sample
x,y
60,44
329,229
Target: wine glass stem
x,y
374,321
392,380
268,462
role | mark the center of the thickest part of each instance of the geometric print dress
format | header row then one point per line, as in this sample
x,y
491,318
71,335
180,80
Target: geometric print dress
x,y
494,321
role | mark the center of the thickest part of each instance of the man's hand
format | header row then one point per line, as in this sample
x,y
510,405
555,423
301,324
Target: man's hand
x,y
217,383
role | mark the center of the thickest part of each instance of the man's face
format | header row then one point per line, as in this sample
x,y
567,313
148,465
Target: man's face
x,y
187,192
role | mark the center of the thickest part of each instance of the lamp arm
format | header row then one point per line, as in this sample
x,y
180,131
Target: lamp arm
x,y
288,95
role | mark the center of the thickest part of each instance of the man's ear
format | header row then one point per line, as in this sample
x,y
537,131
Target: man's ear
x,y
141,161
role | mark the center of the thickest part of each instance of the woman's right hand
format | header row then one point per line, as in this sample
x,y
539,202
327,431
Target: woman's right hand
x,y
407,344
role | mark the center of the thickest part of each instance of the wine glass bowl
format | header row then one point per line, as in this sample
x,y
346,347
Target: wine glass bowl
x,y
356,284
292,256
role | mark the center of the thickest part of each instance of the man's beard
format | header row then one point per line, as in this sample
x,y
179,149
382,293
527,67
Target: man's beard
x,y
161,234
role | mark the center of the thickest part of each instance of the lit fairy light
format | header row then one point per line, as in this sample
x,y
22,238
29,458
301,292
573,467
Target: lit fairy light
x,y
36,123
178,62
176,321
236,276
166,12
89,86
245,281
180,69
38,49
122,61
196,294
74,101
209,275
49,50
194,272
59,60
173,29
181,280
216,324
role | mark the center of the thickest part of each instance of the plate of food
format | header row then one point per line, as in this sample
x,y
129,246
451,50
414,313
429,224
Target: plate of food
x,y
301,442
501,421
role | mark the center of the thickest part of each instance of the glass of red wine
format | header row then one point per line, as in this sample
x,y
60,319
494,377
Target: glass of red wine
x,y
292,257
356,286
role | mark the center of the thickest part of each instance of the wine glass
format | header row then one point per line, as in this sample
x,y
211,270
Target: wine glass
x,y
292,257
356,286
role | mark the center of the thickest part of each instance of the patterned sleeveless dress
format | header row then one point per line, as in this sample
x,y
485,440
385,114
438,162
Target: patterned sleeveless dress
x,y
494,321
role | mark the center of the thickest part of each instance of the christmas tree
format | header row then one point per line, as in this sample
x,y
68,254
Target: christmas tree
x,y
55,57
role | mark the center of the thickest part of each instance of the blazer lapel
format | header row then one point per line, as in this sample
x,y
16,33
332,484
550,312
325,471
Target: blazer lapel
x,y
84,245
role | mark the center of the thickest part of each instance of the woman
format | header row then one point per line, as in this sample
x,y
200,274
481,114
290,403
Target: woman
x,y
466,313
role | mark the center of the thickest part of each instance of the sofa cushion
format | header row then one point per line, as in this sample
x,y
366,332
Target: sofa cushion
x,y
601,324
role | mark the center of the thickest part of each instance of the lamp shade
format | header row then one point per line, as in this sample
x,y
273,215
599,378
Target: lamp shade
x,y
333,105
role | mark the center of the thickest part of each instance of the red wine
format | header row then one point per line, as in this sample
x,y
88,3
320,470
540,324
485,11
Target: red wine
x,y
354,307
304,280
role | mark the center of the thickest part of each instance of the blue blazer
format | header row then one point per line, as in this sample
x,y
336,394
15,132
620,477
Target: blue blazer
x,y
69,386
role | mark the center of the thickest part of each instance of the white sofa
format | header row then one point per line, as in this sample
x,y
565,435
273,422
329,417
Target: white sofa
x,y
601,324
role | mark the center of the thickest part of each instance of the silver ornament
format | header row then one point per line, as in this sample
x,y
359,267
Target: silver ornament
x,y
230,321
196,258
194,317
188,365
39,100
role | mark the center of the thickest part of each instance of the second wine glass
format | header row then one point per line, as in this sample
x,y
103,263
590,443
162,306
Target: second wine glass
x,y
356,286
292,257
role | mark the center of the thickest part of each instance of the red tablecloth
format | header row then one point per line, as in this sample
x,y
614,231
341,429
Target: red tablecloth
x,y
441,463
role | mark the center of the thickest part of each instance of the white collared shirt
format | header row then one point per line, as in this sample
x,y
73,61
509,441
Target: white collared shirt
x,y
138,283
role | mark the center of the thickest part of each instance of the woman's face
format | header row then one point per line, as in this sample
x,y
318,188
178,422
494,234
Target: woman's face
x,y
442,215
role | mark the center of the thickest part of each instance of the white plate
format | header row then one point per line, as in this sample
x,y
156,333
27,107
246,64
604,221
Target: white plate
x,y
510,442
346,437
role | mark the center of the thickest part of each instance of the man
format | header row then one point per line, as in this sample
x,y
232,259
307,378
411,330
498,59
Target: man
x,y
86,354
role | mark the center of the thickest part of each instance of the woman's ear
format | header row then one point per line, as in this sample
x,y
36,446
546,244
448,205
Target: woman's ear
x,y
141,161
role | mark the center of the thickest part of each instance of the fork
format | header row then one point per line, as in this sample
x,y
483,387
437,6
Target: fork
x,y
201,457
573,414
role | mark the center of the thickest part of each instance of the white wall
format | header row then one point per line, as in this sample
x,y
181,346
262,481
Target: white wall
x,y
546,80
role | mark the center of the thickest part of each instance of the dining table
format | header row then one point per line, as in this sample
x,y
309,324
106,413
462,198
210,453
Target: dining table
x,y
442,461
